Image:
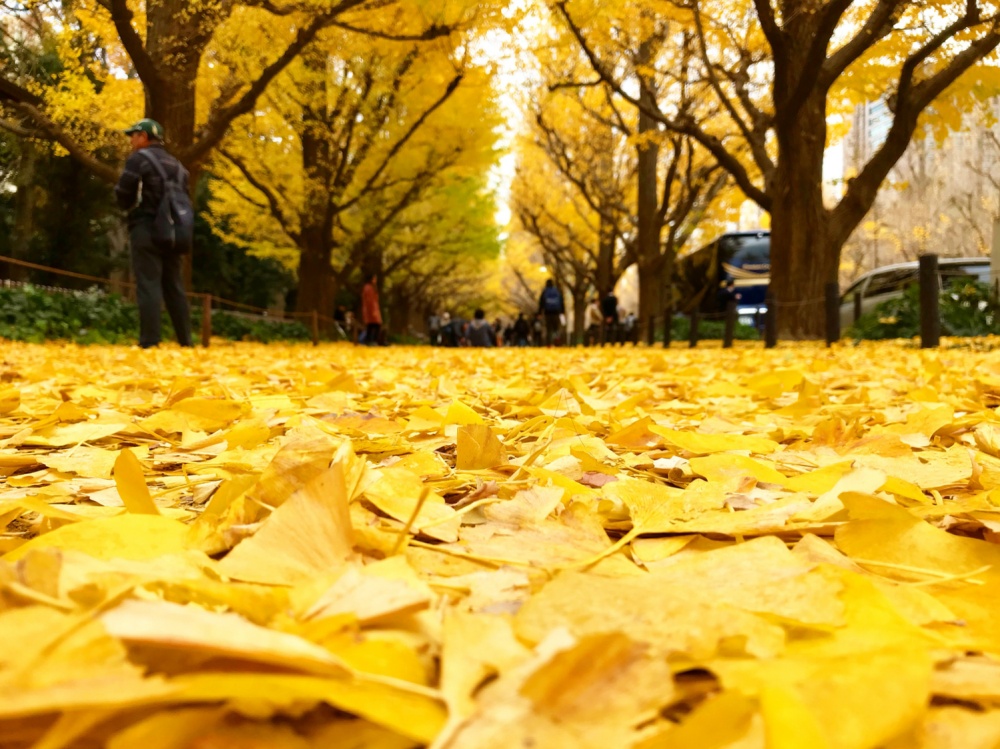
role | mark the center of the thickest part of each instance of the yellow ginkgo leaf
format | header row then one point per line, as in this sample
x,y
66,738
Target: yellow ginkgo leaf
x,y
131,484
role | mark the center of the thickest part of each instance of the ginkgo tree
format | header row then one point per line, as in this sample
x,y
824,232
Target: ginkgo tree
x,y
439,254
349,139
774,71
574,188
645,190
192,65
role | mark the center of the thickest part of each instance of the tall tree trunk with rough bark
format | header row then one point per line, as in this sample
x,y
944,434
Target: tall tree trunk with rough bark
x,y
24,209
803,258
647,246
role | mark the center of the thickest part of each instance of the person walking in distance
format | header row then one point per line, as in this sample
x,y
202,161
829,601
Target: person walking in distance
x,y
371,314
150,174
550,304
592,323
479,333
522,330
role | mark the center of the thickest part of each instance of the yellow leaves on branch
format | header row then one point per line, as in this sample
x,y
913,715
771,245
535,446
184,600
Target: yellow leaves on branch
x,y
299,547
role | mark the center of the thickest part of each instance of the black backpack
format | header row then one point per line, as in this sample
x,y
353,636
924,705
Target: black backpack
x,y
173,227
551,300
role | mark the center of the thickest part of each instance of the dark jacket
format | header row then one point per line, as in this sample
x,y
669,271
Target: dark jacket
x,y
480,334
140,188
609,308
522,327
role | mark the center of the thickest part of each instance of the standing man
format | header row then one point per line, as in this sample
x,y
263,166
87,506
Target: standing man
x,y
371,314
157,270
550,304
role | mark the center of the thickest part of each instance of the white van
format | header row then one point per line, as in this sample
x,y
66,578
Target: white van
x,y
890,281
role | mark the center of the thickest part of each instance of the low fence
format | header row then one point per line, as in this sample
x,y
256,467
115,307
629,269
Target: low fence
x,y
208,303
658,327
655,328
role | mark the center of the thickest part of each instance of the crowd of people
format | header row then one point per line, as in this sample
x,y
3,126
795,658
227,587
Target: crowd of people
x,y
605,322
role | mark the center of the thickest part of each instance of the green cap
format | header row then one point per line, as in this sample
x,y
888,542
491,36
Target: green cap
x,y
152,128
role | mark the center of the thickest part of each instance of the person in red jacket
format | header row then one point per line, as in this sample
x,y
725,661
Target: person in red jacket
x,y
371,315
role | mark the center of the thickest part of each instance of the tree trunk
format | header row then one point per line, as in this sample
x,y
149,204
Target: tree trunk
x,y
605,259
651,288
24,210
804,257
316,278
669,259
647,246
316,287
176,34
398,317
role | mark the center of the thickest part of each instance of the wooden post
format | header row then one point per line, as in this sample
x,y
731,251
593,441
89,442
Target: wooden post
x,y
693,331
857,305
668,319
771,322
314,320
930,316
832,313
730,328
651,330
206,320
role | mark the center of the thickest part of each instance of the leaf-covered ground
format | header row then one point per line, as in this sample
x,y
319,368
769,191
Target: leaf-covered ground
x,y
337,547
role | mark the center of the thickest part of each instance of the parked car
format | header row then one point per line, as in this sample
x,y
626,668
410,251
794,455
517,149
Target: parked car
x,y
890,281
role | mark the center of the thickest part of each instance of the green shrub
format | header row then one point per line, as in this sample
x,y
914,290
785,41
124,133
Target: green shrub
x,y
240,328
32,314
28,313
710,330
967,308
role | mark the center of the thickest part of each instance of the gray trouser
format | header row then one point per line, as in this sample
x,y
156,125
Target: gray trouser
x,y
158,280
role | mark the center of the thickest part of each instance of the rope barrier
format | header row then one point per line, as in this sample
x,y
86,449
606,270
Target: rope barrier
x,y
57,271
278,317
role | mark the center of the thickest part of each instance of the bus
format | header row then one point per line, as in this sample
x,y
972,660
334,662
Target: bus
x,y
743,257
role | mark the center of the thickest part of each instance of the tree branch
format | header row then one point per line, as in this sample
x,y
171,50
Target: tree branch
x,y
911,100
768,24
398,145
122,16
684,124
55,132
433,31
220,118
878,26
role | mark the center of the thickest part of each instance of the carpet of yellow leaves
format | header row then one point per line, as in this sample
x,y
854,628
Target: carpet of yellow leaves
x,y
336,547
